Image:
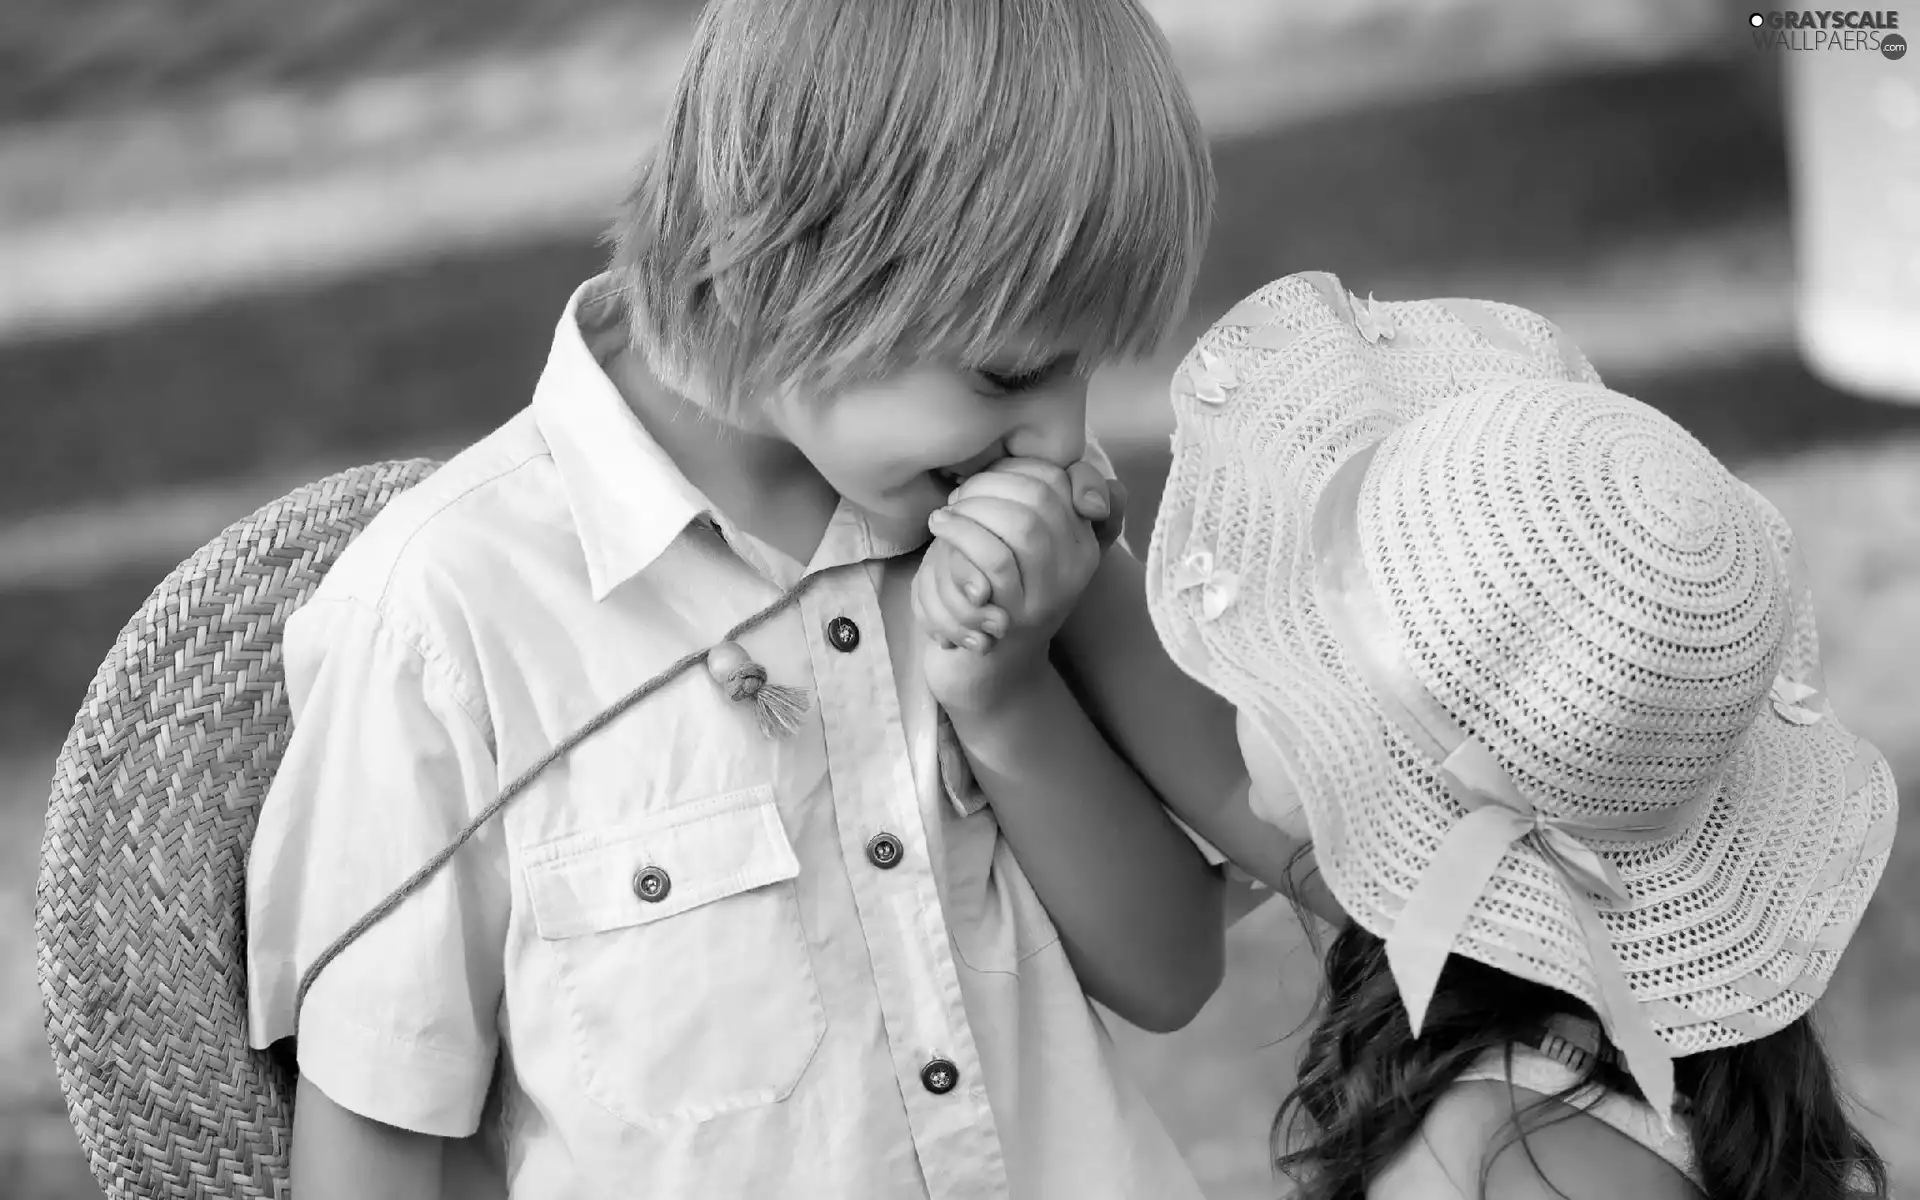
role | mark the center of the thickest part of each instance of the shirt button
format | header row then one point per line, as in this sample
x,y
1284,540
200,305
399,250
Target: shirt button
x,y
939,1076
651,884
843,635
884,851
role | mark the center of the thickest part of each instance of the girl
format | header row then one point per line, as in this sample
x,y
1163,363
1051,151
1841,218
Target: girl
x,y
1539,678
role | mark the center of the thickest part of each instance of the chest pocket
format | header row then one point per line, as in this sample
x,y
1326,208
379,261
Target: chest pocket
x,y
684,969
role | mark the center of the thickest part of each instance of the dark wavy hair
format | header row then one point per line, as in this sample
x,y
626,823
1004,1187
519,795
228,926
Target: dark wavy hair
x,y
1767,1119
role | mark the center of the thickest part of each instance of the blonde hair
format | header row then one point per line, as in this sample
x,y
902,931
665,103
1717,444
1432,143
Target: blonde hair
x,y
847,185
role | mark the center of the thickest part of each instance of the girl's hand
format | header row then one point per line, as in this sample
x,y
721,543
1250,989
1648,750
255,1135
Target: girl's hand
x,y
961,610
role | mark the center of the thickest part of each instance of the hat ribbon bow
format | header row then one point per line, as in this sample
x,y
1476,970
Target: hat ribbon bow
x,y
1437,912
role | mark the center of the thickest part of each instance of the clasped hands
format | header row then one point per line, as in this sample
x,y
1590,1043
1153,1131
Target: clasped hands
x,y
1013,549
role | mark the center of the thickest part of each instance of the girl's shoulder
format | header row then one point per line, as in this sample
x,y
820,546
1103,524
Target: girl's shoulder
x,y
1467,1147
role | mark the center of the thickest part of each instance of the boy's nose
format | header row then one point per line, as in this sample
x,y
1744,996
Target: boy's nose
x,y
1054,427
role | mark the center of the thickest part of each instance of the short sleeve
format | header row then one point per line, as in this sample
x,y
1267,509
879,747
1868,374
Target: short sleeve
x,y
386,763
1244,892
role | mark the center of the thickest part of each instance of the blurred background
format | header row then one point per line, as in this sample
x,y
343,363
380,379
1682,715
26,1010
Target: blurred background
x,y
243,246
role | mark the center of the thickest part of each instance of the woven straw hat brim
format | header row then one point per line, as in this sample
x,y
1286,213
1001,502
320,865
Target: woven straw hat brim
x,y
140,909
1736,922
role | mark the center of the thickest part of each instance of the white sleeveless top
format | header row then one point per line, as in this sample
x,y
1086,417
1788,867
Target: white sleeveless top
x,y
1557,1065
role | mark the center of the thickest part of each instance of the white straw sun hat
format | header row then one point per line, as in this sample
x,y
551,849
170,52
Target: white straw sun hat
x,y
1540,672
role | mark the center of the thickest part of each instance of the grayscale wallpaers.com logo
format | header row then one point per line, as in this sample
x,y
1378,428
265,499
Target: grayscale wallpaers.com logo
x,y
1817,29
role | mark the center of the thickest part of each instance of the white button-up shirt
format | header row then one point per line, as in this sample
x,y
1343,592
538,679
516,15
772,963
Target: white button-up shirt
x,y
672,967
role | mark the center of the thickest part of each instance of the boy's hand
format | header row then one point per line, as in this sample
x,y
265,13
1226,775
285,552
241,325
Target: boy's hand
x,y
1014,535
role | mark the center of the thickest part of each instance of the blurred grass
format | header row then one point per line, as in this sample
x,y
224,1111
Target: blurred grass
x,y
72,58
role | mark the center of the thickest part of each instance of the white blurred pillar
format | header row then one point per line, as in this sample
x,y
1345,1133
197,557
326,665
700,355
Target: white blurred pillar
x,y
1853,124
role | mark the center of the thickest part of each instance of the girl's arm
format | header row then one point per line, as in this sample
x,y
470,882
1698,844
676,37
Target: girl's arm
x,y
1175,732
340,1155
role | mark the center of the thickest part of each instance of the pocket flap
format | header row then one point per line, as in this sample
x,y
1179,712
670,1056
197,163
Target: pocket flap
x,y
693,854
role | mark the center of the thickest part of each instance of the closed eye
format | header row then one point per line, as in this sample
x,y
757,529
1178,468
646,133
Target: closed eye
x,y
1014,383
1025,380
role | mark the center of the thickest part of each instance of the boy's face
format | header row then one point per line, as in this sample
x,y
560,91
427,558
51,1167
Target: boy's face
x,y
898,445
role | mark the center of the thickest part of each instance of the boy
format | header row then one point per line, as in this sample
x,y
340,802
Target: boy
x,y
877,251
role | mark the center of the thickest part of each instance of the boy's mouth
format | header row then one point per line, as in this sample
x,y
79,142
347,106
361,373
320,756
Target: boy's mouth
x,y
952,477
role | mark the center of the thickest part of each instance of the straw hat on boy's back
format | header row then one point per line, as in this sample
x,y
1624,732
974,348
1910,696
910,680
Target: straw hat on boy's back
x,y
1541,674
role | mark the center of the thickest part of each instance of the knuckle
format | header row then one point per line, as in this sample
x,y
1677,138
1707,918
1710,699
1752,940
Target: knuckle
x,y
1000,565
1024,530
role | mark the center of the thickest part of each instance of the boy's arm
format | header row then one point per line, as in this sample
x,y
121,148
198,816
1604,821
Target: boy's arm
x,y
1137,906
339,1155
1176,733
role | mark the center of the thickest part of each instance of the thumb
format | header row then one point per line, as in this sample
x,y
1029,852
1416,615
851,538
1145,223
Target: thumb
x,y
1106,531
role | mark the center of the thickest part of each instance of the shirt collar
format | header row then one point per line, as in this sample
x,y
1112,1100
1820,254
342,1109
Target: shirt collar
x,y
629,501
